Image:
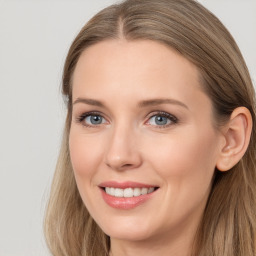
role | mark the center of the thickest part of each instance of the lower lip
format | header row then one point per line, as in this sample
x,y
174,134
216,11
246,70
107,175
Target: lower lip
x,y
125,203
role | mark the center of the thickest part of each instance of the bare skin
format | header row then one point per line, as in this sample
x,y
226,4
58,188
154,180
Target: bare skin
x,y
140,115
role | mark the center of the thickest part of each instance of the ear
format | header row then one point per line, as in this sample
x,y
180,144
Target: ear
x,y
237,133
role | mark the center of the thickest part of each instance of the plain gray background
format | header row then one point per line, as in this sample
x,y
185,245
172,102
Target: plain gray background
x,y
34,39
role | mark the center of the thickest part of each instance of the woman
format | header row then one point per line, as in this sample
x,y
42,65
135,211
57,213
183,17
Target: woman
x,y
159,147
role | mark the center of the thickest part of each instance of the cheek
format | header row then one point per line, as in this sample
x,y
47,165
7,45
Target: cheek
x,y
85,154
185,157
84,159
186,164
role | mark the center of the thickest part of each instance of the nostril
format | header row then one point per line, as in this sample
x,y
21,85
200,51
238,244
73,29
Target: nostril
x,y
127,165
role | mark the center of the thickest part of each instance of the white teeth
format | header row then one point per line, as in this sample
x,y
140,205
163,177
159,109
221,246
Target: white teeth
x,y
119,192
108,190
112,191
144,191
136,192
150,190
128,192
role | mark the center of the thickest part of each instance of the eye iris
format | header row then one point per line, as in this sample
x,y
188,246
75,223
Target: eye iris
x,y
96,119
161,120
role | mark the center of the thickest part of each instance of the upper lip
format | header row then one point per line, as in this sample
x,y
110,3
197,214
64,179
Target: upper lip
x,y
126,184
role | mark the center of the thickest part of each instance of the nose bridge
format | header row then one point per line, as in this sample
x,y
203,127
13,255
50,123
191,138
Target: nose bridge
x,y
122,151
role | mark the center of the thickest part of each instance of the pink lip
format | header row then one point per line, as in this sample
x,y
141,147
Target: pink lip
x,y
124,185
124,202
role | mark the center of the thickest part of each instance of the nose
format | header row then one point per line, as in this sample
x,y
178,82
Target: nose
x,y
122,151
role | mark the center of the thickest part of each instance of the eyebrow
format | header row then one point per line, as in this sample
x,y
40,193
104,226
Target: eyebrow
x,y
154,102
142,104
89,102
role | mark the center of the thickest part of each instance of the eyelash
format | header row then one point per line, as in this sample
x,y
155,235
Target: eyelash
x,y
174,120
82,117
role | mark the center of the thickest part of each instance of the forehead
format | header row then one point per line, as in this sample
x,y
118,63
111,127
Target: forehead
x,y
134,68
147,54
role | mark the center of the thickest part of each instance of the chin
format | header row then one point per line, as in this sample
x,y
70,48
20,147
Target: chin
x,y
129,235
129,230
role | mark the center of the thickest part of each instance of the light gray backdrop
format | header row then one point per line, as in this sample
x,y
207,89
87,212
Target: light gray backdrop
x,y
34,39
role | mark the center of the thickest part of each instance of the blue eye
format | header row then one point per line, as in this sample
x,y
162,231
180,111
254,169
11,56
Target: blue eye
x,y
91,119
162,119
94,119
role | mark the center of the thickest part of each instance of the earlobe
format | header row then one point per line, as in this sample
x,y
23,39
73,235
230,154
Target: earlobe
x,y
237,137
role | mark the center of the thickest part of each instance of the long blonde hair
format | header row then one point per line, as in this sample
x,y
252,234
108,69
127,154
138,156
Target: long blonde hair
x,y
228,226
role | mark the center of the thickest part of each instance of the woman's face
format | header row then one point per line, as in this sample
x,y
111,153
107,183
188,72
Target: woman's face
x,y
142,141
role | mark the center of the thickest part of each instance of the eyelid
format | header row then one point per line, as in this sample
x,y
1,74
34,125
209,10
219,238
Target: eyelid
x,y
80,119
174,120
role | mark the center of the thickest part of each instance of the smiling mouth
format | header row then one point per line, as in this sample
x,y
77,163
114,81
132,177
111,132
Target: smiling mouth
x,y
128,192
126,195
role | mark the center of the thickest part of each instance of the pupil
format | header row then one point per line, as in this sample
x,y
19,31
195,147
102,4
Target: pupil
x,y
96,119
161,120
